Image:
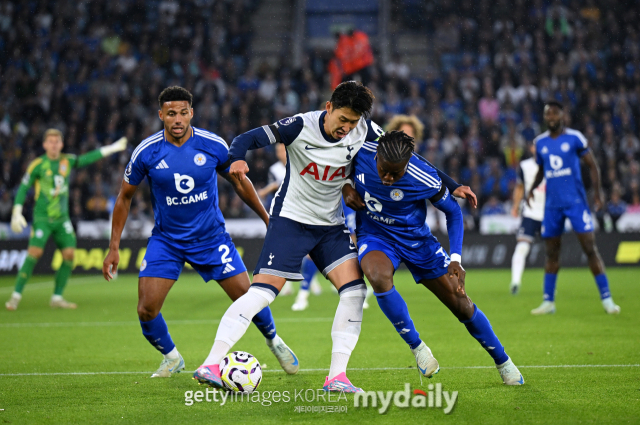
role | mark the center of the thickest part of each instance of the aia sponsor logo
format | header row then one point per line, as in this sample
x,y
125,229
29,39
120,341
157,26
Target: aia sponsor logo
x,y
328,174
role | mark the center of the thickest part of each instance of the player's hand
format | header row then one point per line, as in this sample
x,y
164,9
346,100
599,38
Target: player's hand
x,y
239,169
455,269
18,222
120,144
110,264
467,193
352,198
598,201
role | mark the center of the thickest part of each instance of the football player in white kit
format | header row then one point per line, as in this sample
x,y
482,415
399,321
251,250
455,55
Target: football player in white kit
x,y
531,216
306,217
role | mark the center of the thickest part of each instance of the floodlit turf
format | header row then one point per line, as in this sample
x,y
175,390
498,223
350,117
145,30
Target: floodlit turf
x,y
41,349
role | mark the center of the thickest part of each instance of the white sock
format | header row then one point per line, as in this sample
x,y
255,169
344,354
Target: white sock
x,y
236,321
346,328
272,342
16,295
339,363
173,354
55,297
518,261
369,292
303,294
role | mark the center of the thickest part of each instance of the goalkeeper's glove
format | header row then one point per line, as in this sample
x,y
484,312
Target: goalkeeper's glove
x,y
18,222
118,146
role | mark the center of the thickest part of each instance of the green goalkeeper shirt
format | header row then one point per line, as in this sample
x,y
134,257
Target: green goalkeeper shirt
x,y
51,180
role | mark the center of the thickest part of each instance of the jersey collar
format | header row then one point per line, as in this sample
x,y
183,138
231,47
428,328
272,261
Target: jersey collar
x,y
164,136
324,134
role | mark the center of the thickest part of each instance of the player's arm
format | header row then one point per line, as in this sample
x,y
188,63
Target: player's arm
x,y
455,229
18,222
594,172
284,131
245,190
518,193
120,214
95,155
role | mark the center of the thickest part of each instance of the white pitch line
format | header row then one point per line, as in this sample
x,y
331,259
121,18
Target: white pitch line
x,y
324,370
169,322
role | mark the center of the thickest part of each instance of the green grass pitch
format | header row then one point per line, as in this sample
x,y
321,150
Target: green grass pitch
x,y
51,360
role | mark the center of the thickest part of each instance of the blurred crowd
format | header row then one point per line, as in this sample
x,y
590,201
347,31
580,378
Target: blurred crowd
x,y
94,70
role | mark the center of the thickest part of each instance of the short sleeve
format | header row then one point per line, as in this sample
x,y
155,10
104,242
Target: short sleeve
x,y
286,130
581,143
374,131
539,159
222,157
135,171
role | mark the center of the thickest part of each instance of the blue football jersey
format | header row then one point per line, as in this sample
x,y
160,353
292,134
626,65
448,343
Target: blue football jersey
x,y
385,216
183,181
560,159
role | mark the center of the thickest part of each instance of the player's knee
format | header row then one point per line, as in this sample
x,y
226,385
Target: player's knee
x,y
591,250
381,280
68,255
146,313
35,252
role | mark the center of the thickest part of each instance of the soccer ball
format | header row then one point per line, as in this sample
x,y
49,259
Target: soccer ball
x,y
240,372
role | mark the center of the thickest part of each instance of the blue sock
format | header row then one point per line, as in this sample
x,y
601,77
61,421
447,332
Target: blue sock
x,y
264,321
393,306
309,270
549,287
157,334
480,328
603,286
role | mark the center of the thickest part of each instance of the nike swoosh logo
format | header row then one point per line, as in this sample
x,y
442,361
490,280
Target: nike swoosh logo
x,y
309,148
244,317
354,321
422,370
415,244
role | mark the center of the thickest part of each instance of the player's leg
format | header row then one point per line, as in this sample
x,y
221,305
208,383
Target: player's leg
x,y
24,274
309,270
40,232
152,291
379,263
453,295
285,245
526,236
552,229
160,268
65,239
588,243
222,262
337,258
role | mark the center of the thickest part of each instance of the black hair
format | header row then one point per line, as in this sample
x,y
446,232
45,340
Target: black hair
x,y
352,94
175,93
395,147
554,103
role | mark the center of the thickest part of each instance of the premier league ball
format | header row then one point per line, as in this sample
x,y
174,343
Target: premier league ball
x,y
240,372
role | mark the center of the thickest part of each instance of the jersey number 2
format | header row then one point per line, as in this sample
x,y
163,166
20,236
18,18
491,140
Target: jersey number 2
x,y
225,252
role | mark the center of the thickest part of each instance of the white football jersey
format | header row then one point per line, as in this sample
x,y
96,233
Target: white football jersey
x,y
529,169
277,172
317,167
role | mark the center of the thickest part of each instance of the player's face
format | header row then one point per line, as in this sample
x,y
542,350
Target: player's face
x,y
553,117
339,122
176,116
390,172
53,146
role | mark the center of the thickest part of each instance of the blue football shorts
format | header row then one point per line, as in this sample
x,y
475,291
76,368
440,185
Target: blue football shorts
x,y
216,260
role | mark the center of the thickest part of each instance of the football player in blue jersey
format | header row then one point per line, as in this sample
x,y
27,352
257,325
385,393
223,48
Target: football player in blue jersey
x,y
182,164
559,151
392,185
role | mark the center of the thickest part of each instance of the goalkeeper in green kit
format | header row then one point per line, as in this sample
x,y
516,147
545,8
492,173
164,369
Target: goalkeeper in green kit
x,y
50,175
